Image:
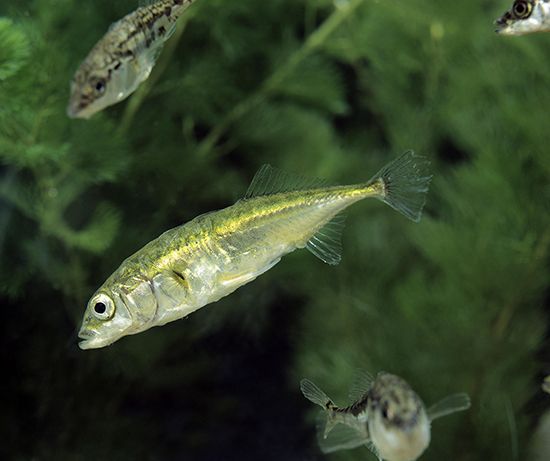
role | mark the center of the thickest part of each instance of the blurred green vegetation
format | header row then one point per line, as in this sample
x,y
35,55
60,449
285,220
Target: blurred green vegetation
x,y
458,302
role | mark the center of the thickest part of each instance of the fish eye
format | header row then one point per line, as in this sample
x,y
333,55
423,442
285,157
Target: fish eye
x,y
102,307
522,9
385,410
99,86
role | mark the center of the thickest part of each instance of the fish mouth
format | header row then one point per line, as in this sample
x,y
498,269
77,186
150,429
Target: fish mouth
x,y
502,23
505,28
80,106
90,340
77,110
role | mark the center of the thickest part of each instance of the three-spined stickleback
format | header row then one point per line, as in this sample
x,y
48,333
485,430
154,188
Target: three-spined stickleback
x,y
211,256
123,58
385,414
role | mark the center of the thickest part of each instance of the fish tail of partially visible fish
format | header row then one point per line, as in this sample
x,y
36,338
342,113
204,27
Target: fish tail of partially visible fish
x,y
403,184
314,394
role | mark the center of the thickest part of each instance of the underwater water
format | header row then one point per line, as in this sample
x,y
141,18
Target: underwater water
x,y
459,302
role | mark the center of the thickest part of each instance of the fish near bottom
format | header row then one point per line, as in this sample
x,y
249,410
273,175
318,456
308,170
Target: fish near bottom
x,y
211,256
385,415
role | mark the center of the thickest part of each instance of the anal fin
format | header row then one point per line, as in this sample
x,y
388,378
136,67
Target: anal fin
x,y
326,244
340,437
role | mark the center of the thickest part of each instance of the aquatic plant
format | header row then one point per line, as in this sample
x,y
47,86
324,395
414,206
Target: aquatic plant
x,y
322,88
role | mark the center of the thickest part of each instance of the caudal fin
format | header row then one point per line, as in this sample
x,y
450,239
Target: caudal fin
x,y
314,394
404,184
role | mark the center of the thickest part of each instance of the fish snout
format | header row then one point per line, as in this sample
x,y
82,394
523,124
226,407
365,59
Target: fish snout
x,y
75,109
94,342
92,339
504,21
87,336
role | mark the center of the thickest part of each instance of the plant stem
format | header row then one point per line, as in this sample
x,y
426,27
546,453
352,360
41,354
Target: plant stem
x,y
315,40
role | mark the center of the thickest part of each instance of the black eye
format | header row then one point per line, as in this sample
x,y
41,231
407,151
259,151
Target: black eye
x,y
100,308
100,86
522,9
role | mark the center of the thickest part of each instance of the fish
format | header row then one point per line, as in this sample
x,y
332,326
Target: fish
x,y
546,384
123,58
525,17
385,414
209,257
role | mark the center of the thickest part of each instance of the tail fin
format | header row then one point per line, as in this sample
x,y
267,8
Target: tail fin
x,y
312,392
405,182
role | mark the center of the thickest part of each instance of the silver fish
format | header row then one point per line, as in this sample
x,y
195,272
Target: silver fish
x,y
385,415
123,58
212,255
525,17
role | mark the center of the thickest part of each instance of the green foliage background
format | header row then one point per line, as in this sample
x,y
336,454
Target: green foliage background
x,y
458,302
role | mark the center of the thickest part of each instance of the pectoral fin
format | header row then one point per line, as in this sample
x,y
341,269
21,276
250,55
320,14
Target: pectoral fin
x,y
448,405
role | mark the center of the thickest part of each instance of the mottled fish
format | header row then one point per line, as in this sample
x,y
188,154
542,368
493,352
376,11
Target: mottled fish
x,y
123,58
525,17
211,256
385,415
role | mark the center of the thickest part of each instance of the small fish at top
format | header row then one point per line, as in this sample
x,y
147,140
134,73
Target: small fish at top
x,y
123,58
385,415
211,256
525,17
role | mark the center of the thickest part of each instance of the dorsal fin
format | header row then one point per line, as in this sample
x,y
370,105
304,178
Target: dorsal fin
x,y
326,244
269,181
360,385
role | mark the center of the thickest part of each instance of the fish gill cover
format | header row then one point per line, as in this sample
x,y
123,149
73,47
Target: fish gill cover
x,y
326,89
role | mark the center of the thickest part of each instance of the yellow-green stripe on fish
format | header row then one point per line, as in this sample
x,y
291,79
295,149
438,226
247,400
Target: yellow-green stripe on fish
x,y
211,256
123,58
